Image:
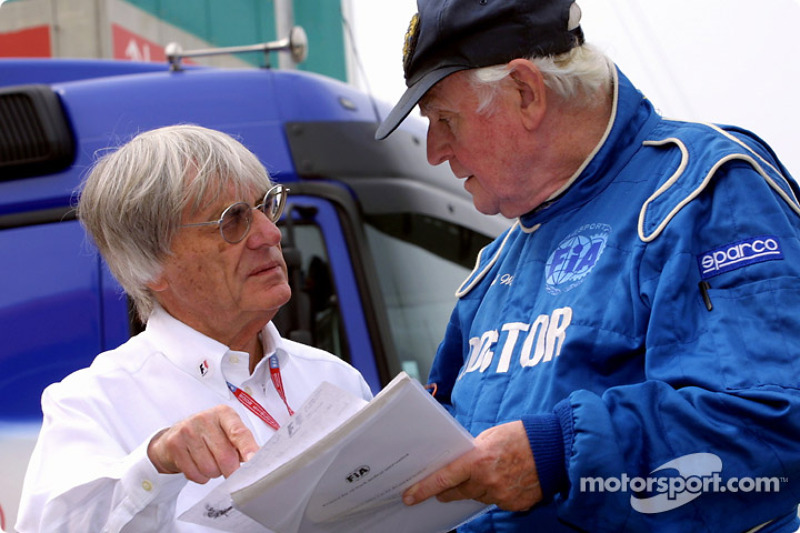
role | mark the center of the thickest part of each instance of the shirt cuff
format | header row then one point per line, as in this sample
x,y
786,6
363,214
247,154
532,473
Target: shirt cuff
x,y
144,484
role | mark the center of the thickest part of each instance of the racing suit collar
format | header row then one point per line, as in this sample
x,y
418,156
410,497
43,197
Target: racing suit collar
x,y
632,118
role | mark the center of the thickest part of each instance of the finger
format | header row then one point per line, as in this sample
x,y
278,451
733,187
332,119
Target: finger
x,y
440,481
208,452
238,434
170,451
195,444
241,444
203,446
465,491
215,452
195,463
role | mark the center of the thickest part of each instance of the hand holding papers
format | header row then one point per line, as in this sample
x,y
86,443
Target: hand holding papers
x,y
341,465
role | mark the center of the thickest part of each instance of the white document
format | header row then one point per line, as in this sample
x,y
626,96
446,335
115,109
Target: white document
x,y
342,465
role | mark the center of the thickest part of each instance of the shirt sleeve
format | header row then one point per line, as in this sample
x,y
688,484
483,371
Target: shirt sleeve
x,y
80,479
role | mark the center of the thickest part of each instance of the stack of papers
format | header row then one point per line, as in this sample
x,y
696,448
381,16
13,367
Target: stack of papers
x,y
342,464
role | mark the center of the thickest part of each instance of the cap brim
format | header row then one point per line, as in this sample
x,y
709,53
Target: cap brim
x,y
411,97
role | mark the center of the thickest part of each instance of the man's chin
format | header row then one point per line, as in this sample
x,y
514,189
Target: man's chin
x,y
271,298
484,209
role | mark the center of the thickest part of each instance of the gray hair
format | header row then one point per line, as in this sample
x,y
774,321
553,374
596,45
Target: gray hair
x,y
133,199
579,74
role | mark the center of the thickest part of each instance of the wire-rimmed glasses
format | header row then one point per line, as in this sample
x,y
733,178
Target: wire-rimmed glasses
x,y
234,224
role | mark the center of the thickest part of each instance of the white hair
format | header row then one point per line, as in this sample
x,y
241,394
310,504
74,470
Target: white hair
x,y
582,74
132,201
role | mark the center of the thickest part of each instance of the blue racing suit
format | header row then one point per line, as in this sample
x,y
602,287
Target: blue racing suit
x,y
645,327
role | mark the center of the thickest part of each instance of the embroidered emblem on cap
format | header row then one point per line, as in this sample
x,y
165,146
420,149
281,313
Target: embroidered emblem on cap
x,y
410,41
739,254
204,368
574,21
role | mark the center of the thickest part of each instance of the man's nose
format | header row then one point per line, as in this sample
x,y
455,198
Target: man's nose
x,y
263,231
438,146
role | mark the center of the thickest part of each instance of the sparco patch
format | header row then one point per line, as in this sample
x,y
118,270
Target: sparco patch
x,y
739,254
575,257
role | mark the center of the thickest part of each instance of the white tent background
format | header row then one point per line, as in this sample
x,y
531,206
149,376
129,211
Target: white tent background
x,y
723,61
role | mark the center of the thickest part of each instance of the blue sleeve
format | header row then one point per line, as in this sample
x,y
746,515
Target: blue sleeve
x,y
450,354
720,398
447,363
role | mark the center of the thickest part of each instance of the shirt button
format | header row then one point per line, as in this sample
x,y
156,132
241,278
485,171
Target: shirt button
x,y
248,390
146,485
234,359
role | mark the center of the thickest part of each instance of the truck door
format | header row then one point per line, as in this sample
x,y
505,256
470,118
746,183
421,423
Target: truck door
x,y
328,309
54,298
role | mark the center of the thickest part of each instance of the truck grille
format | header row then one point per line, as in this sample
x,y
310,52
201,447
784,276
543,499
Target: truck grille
x,y
35,138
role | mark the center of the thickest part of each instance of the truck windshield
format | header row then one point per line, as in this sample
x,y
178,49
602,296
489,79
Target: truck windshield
x,y
421,261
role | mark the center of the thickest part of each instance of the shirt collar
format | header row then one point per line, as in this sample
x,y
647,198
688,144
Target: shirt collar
x,y
201,356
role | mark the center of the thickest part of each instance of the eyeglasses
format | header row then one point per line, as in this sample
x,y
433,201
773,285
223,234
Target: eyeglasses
x,y
234,224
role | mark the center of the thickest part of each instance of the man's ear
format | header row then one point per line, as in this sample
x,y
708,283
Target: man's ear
x,y
529,83
159,284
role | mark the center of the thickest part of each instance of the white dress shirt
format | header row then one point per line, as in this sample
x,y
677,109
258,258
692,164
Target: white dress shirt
x,y
90,472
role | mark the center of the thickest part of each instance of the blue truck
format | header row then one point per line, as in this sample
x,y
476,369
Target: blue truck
x,y
376,239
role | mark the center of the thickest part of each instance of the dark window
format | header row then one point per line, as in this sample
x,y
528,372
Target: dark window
x,y
312,316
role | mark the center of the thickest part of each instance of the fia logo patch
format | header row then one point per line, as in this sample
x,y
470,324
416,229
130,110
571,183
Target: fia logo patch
x,y
575,257
739,254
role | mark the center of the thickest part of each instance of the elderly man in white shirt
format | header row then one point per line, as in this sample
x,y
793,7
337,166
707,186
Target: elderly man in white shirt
x,y
186,219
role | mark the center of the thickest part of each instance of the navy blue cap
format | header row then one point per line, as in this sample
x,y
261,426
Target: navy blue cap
x,y
446,36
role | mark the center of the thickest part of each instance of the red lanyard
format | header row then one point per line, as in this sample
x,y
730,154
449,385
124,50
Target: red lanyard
x,y
275,375
255,407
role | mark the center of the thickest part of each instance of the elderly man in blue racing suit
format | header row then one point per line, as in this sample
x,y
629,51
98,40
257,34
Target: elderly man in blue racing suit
x,y
628,353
